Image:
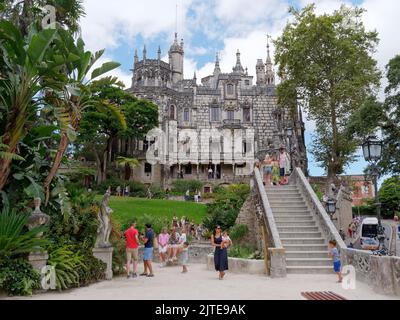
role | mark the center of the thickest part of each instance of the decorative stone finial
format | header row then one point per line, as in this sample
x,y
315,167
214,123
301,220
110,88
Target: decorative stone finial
x,y
38,218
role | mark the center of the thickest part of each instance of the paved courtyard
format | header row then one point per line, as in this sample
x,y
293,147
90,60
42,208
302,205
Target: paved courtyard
x,y
200,284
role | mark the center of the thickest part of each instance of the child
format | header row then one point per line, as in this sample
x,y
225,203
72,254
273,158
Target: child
x,y
185,257
226,240
334,254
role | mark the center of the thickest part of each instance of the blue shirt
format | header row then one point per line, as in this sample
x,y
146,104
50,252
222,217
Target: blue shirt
x,y
335,255
149,235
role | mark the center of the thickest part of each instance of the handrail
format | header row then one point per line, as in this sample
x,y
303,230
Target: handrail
x,y
268,215
325,219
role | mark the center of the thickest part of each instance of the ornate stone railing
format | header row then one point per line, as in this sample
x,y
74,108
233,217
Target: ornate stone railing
x,y
276,256
331,233
381,273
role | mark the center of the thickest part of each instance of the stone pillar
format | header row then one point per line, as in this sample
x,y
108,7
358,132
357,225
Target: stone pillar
x,y
278,263
105,255
38,260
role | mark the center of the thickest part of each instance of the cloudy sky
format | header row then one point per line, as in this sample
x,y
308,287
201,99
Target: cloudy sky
x,y
210,26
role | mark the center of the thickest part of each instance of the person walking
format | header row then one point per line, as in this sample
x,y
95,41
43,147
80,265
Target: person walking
x,y
132,247
148,241
220,254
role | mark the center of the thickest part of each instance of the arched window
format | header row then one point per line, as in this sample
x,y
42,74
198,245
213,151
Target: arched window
x,y
186,115
172,112
230,114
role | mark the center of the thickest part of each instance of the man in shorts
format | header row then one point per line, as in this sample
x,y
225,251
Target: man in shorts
x,y
148,252
132,248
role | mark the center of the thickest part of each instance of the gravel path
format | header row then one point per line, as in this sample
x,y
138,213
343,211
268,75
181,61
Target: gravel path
x,y
200,284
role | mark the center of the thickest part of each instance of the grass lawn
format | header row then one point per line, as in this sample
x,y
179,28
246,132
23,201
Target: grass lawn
x,y
127,208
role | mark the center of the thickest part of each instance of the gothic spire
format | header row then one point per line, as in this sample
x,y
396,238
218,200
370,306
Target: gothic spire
x,y
136,59
217,68
144,53
159,53
238,68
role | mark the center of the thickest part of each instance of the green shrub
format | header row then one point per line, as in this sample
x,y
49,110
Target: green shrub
x,y
15,238
238,232
157,192
318,191
242,252
179,187
364,211
226,207
389,196
94,271
67,262
18,278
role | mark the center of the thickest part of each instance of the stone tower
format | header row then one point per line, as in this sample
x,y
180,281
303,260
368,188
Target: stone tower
x,y
176,55
269,74
260,71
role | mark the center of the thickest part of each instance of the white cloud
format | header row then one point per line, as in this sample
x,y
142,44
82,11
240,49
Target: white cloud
x,y
107,24
250,11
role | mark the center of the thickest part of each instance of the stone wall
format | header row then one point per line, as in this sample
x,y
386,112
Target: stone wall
x,y
240,266
248,217
381,273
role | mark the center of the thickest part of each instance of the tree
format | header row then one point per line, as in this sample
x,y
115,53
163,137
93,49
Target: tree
x,y
376,116
326,62
98,131
389,196
128,164
23,77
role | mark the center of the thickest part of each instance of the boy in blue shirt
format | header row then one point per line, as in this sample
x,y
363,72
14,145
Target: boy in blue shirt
x,y
334,254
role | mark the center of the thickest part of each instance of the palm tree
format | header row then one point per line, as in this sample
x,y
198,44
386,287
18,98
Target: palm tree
x,y
22,80
129,164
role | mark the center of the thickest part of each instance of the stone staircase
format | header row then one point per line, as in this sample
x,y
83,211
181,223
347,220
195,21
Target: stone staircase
x,y
306,248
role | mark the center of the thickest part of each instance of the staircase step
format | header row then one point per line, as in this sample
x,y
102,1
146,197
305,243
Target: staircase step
x,y
309,270
287,197
297,228
303,241
299,223
291,210
306,254
304,235
299,218
288,205
309,262
305,247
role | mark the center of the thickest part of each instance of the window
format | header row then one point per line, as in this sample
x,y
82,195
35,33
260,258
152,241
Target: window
x,y
247,82
188,169
148,168
230,114
215,114
186,115
172,112
230,89
246,115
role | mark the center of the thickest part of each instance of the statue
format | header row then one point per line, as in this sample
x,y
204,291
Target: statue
x,y
105,227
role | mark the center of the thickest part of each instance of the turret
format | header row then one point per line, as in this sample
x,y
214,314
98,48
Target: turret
x,y
260,72
136,59
238,68
269,74
144,54
176,55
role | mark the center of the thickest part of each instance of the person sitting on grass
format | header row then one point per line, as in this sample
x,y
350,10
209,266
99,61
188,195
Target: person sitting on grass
x,y
334,254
